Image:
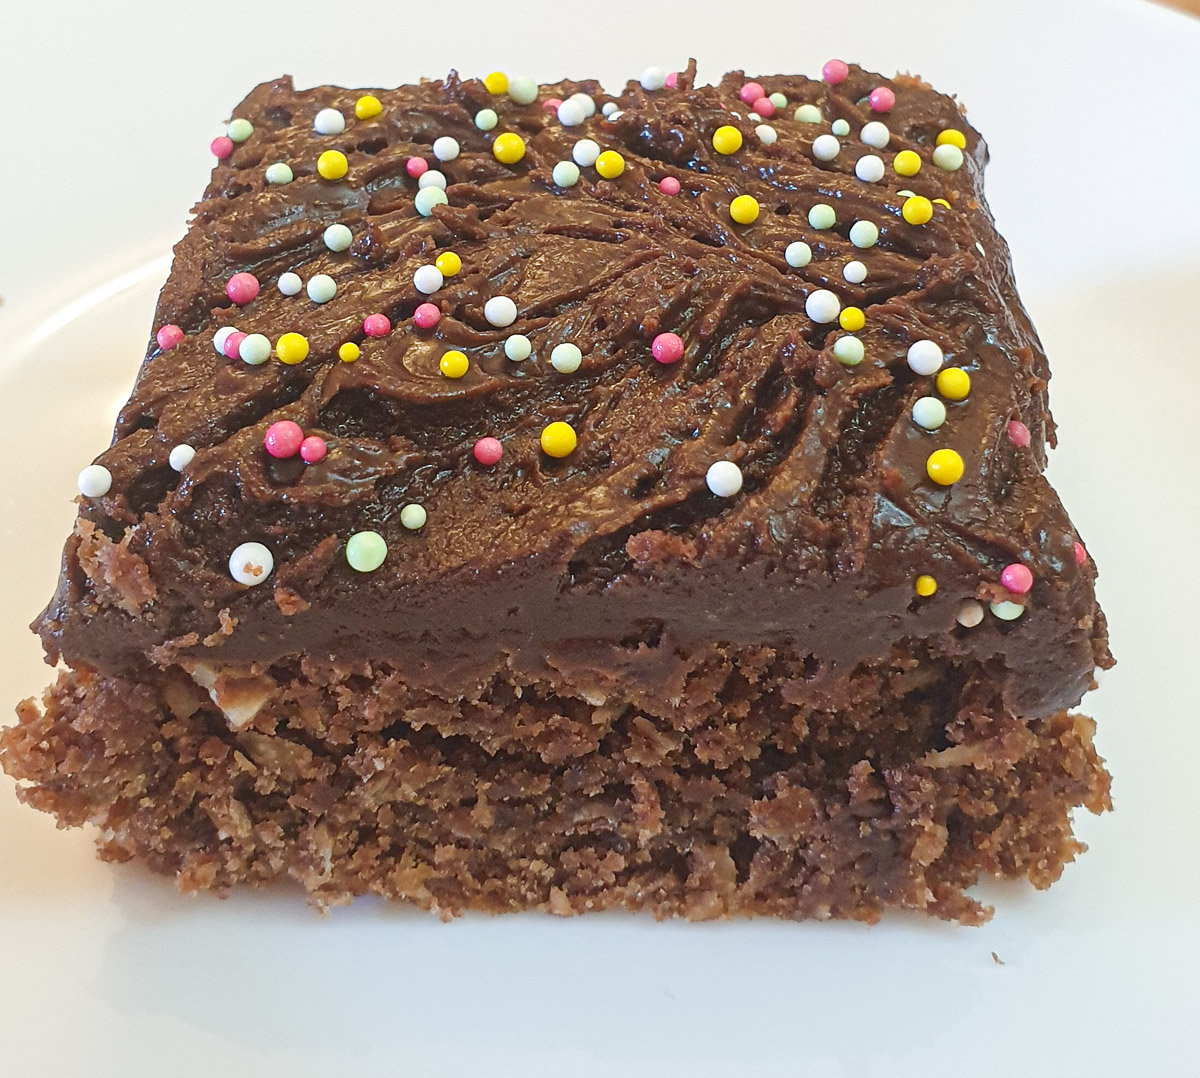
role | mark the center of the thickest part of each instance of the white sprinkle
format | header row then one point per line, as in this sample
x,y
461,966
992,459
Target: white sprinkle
x,y
653,78
840,128
906,193
948,157
566,358
807,114
94,481
289,283
823,306
869,168
608,108
445,148
612,117
181,456
565,174
970,614
753,117
251,563
724,478
279,172
321,288
431,177
767,135
822,216
337,237
1006,610
585,152
864,234
522,89
413,516
329,122
428,279
979,248
222,334
855,272
572,112
826,147
427,198
500,311
928,413
875,134
589,106
255,349
797,254
518,347
849,350
924,357
486,119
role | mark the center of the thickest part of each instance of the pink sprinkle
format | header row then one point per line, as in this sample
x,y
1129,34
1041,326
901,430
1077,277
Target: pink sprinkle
x,y
1018,433
765,107
1080,554
232,343
222,146
834,71
242,288
488,451
377,325
667,348
1017,578
881,99
426,316
552,102
283,439
168,337
668,185
313,449
751,92
416,166
673,79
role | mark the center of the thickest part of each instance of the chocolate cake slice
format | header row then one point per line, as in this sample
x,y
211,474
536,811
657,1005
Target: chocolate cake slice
x,y
537,498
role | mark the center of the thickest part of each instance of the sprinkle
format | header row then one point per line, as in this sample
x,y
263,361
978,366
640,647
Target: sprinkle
x,y
522,89
239,130
948,157
313,449
724,478
427,198
94,481
944,467
413,517
283,439
566,358
1016,578
822,216
906,163
565,174
954,383
558,439
917,210
667,347
181,456
925,586
668,185
508,148
367,107
221,147
875,134
488,451
500,311
585,152
251,563
428,279
751,92
279,172
365,551
778,100
254,349
951,137
1007,610
797,254
168,336
864,234
744,209
1018,434
941,202
822,306
849,351
767,135
609,109
518,347
337,237
589,106
445,148
840,128
220,337
852,319
377,325
881,99
970,614
834,71
453,363
727,139
807,114
869,168
233,344
653,78
496,83
764,108
672,79
486,119
924,357
332,165
1080,554
416,167
855,271
929,413
610,164
826,147
321,288
448,263
242,288
329,122
291,348
289,283
349,352
431,178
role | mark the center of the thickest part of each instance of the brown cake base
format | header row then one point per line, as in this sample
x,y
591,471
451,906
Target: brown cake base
x,y
746,797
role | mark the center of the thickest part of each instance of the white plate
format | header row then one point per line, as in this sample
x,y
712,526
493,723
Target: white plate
x,y
1089,109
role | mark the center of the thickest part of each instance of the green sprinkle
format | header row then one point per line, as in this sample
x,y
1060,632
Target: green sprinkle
x,y
849,351
413,516
239,130
778,100
279,172
365,551
807,114
822,216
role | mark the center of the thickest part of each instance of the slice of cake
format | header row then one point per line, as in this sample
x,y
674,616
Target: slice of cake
x,y
533,497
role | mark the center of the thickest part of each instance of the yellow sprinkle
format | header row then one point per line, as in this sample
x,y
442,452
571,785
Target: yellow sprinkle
x,y
367,106
496,83
508,148
954,383
941,202
449,263
558,439
954,138
610,164
925,585
454,363
332,165
744,209
944,467
852,319
727,139
917,210
349,352
907,163
291,348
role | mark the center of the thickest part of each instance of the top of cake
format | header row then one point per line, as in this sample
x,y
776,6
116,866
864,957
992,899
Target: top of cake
x,y
482,361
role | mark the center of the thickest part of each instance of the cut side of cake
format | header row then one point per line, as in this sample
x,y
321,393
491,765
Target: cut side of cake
x,y
534,497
